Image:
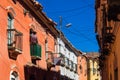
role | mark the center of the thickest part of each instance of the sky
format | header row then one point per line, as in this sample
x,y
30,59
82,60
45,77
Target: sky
x,y
81,15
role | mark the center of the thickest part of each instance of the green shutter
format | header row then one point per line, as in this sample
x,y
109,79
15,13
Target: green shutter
x,y
35,50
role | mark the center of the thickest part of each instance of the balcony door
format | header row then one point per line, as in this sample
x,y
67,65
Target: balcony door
x,y
10,26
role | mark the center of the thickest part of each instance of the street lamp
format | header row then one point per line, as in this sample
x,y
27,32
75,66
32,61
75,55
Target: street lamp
x,y
60,36
60,24
60,29
68,25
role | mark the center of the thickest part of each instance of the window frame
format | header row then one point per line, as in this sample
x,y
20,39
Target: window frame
x,y
10,34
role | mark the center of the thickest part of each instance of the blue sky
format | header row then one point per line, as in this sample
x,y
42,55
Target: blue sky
x,y
81,14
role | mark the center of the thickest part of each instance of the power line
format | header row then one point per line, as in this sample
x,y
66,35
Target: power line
x,y
88,26
71,10
77,14
78,34
82,35
86,1
86,37
79,42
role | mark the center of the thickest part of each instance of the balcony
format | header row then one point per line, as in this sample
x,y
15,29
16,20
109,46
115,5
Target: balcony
x,y
75,68
114,12
72,66
101,64
106,48
51,62
67,63
102,57
62,62
109,37
35,51
15,43
113,2
106,51
50,65
97,4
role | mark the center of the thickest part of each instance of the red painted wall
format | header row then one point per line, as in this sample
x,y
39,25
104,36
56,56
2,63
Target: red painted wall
x,y
22,24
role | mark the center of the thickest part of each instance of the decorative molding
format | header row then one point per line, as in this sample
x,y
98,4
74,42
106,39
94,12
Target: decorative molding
x,y
25,12
11,11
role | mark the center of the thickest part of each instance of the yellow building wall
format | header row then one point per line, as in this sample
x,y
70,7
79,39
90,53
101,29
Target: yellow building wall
x,y
94,73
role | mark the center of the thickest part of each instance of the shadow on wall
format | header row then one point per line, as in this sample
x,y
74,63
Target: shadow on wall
x,y
35,73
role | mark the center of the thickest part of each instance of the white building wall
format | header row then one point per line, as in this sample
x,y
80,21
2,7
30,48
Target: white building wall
x,y
62,70
71,56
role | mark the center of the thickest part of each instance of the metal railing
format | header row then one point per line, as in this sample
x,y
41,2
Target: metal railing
x,y
35,50
15,40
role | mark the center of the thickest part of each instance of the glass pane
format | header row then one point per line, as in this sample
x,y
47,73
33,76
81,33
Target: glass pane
x,y
12,78
10,26
10,37
10,22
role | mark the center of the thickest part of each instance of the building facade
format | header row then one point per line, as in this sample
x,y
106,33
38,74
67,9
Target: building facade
x,y
108,32
69,55
93,66
27,42
32,48
82,66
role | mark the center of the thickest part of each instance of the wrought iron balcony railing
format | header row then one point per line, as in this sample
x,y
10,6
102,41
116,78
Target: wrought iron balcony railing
x,y
14,40
114,12
113,2
109,37
67,63
15,43
63,62
35,50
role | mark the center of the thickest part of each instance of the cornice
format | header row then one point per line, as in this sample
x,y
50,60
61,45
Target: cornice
x,y
40,16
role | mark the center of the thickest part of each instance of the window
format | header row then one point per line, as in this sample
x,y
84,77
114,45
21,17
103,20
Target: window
x,y
70,63
14,39
75,67
46,48
33,37
63,60
35,48
14,75
81,70
116,74
66,62
60,48
10,26
94,71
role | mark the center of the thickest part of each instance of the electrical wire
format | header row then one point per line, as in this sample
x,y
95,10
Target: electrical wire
x,y
78,34
86,1
84,36
88,27
77,14
71,10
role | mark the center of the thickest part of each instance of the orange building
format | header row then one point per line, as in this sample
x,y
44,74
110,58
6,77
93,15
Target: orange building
x,y
27,42
108,32
29,45
82,66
